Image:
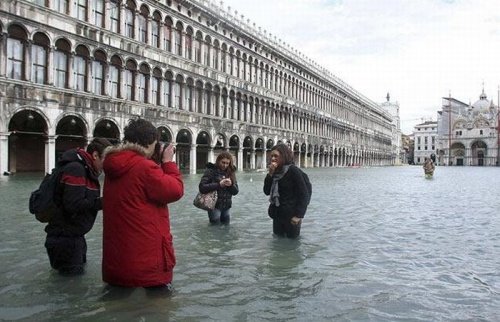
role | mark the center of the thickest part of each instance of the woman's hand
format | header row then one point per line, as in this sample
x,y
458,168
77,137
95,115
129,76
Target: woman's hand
x,y
226,182
168,153
295,220
272,168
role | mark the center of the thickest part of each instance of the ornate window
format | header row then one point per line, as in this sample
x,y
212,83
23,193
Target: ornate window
x,y
15,52
39,64
129,21
143,27
98,73
177,41
61,6
114,16
61,55
81,9
129,80
155,31
166,92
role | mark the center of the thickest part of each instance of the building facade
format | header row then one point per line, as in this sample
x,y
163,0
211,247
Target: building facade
x,y
425,141
468,133
209,81
398,153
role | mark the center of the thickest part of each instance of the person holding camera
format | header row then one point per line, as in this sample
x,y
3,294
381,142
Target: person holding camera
x,y
137,243
221,177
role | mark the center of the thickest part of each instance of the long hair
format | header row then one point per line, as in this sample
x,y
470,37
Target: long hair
x,y
285,153
231,169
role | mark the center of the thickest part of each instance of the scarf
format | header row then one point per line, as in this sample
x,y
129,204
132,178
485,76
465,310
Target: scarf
x,y
274,197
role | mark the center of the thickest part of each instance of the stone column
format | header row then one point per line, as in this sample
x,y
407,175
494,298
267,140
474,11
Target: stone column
x,y
105,87
27,60
192,159
121,85
4,153
50,66
149,28
70,81
252,159
50,153
240,158
3,54
211,155
89,84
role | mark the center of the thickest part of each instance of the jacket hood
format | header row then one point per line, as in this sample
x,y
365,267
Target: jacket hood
x,y
119,159
81,156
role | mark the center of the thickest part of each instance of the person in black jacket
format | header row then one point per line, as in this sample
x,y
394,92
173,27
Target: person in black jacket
x,y
287,191
221,177
78,199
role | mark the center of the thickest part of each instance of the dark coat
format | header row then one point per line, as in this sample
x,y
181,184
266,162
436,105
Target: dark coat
x,y
77,195
293,195
210,182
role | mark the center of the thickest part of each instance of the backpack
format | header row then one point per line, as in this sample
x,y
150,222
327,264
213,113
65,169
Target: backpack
x,y
308,185
41,202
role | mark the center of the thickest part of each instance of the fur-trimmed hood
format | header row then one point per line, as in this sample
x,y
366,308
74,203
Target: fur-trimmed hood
x,y
119,159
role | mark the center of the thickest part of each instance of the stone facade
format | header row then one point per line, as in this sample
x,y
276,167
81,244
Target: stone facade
x,y
468,134
209,81
425,136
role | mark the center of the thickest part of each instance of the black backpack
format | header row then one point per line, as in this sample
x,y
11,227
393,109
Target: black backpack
x,y
42,203
308,185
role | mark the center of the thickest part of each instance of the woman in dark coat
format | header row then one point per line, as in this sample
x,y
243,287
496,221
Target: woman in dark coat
x,y
289,195
221,177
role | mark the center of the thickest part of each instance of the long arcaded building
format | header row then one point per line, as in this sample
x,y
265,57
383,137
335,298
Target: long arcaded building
x,y
71,70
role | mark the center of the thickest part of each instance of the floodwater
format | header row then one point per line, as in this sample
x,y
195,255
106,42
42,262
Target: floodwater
x,y
377,244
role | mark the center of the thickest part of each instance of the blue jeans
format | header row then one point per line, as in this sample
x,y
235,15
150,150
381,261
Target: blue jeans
x,y
218,215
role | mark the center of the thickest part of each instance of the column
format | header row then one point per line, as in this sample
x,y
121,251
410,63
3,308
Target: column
x,y
27,61
50,153
3,54
264,156
121,85
4,153
89,85
192,159
105,87
50,66
252,159
240,158
70,70
149,27
211,155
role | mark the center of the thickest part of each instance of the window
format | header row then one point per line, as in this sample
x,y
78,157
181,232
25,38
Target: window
x,y
155,90
129,84
188,46
167,38
480,132
166,92
177,95
79,72
223,61
62,6
98,11
60,68
114,81
189,98
129,23
206,54
177,42
215,58
39,61
98,77
142,88
143,30
81,9
155,34
197,51
15,53
114,16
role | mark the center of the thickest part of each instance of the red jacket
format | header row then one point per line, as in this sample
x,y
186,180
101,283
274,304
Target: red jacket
x,y
137,244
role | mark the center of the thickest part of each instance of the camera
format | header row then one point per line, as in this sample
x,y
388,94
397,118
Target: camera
x,y
158,153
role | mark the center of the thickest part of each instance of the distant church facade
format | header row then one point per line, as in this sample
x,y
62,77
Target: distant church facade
x,y
468,134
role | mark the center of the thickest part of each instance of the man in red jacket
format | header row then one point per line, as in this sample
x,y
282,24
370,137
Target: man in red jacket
x,y
137,244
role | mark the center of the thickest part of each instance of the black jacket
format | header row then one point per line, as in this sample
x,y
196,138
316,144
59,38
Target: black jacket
x,y
293,194
210,182
77,195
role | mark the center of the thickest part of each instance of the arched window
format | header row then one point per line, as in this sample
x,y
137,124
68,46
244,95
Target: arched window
x,y
142,84
39,58
114,16
80,68
98,12
129,19
114,77
223,60
167,35
155,30
177,95
188,97
98,72
155,87
177,40
61,55
215,56
167,86
15,52
188,45
206,51
129,80
142,24
197,48
81,9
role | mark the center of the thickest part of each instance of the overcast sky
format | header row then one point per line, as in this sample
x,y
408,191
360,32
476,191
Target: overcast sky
x,y
417,50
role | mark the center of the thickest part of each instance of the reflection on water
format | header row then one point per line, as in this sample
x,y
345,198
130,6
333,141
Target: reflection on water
x,y
376,244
